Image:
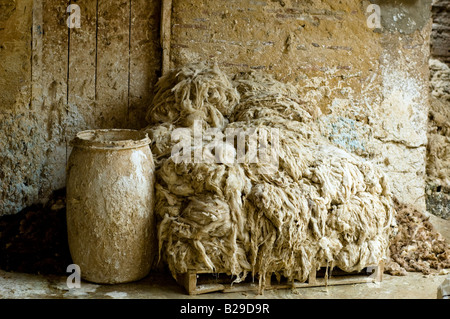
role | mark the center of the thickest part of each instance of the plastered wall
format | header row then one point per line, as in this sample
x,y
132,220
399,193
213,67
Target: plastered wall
x,y
370,83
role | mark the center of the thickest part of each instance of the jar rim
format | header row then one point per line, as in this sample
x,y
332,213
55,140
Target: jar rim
x,y
111,139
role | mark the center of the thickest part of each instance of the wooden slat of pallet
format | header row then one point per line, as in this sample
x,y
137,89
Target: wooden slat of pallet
x,y
190,281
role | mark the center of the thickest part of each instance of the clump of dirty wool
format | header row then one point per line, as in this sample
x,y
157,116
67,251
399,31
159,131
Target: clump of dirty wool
x,y
302,204
417,246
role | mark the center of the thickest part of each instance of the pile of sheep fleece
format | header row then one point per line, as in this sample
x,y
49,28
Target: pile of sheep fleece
x,y
306,204
438,148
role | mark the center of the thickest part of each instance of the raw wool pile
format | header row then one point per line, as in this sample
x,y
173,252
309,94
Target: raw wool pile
x,y
438,149
319,206
186,95
417,246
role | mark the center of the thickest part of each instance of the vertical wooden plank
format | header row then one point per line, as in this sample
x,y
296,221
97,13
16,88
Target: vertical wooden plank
x,y
312,276
112,63
145,58
191,282
49,61
49,74
82,69
18,150
15,53
166,31
36,51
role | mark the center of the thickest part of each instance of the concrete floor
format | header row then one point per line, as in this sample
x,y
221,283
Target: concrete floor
x,y
24,286
157,286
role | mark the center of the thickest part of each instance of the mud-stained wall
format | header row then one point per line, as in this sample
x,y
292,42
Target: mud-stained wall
x,y
440,37
369,81
55,81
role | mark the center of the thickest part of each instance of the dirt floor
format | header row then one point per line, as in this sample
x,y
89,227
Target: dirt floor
x,y
156,286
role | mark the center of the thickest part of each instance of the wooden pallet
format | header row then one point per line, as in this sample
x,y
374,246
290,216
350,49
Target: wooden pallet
x,y
198,282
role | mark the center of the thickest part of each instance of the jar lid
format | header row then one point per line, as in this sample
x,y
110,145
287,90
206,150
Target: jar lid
x,y
111,139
